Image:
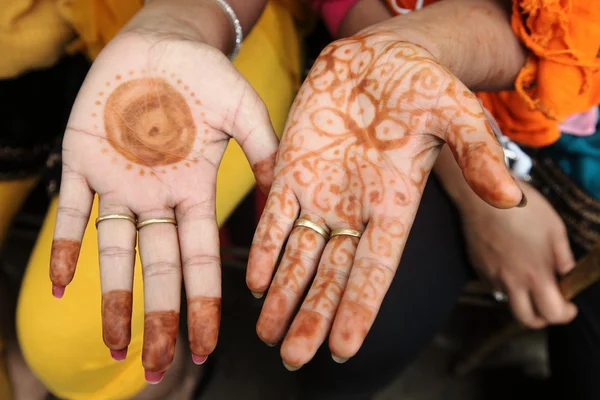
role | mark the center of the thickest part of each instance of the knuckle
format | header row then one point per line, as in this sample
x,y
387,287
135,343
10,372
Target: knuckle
x,y
72,212
373,263
160,268
116,252
201,261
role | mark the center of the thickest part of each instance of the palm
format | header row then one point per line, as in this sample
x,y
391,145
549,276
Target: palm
x,y
147,133
363,135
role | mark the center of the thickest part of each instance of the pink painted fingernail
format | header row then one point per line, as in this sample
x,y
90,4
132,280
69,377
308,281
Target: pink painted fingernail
x,y
199,360
58,291
154,377
119,355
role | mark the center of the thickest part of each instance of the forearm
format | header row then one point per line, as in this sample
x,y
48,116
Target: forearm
x,y
472,38
201,20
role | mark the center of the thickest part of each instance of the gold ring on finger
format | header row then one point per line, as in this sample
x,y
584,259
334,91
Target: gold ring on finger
x,y
151,221
321,230
346,232
115,216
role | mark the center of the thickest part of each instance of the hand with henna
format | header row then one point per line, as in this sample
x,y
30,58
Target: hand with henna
x,y
146,134
362,137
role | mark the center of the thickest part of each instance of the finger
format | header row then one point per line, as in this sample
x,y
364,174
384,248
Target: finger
x,y
201,262
74,206
522,307
313,322
161,267
296,268
375,264
253,130
273,228
550,303
563,255
116,248
480,156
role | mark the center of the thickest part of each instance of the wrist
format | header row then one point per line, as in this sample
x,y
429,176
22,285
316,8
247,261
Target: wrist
x,y
201,21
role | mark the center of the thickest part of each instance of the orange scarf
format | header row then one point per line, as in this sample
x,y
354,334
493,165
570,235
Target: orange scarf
x,y
562,72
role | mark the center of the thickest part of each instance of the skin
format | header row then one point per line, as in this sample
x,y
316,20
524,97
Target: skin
x,y
146,134
362,137
488,58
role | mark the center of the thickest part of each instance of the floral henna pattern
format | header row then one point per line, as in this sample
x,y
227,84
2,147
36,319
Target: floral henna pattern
x,y
360,141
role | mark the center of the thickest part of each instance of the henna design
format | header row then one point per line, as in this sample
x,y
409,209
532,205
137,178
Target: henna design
x,y
160,336
301,256
151,123
204,317
360,141
63,260
116,318
263,172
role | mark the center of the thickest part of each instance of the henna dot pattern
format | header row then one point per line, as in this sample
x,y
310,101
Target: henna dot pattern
x,y
149,122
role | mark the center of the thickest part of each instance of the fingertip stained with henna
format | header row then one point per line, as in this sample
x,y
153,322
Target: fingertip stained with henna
x,y
116,318
263,172
271,324
204,318
63,260
160,336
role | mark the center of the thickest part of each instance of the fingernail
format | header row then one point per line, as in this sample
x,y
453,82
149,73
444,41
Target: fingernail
x,y
339,360
271,344
523,201
199,360
290,368
257,295
119,355
58,291
154,377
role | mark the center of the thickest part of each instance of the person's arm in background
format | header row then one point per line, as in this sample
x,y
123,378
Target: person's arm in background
x,y
202,20
474,40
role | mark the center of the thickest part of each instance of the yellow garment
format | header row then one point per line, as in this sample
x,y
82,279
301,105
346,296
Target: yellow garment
x,y
33,35
62,340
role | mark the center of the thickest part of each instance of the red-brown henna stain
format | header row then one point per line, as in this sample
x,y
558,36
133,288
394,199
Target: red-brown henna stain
x,y
270,326
263,172
269,236
302,254
361,301
149,122
116,318
361,139
204,317
160,336
63,260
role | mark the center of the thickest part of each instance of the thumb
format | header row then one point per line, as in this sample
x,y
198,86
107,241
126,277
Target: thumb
x,y
252,129
480,156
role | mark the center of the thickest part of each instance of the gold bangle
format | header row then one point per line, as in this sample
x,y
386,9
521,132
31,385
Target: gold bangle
x,y
346,232
115,216
151,221
323,231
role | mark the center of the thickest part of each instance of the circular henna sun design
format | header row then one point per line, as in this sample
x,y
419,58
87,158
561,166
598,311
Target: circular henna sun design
x,y
149,122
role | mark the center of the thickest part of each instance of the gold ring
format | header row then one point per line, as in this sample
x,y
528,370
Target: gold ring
x,y
323,231
346,232
151,221
115,216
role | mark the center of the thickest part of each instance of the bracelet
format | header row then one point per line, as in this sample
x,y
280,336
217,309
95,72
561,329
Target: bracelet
x,y
237,27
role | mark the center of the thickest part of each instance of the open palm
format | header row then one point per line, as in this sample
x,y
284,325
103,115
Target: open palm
x,y
147,133
361,140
